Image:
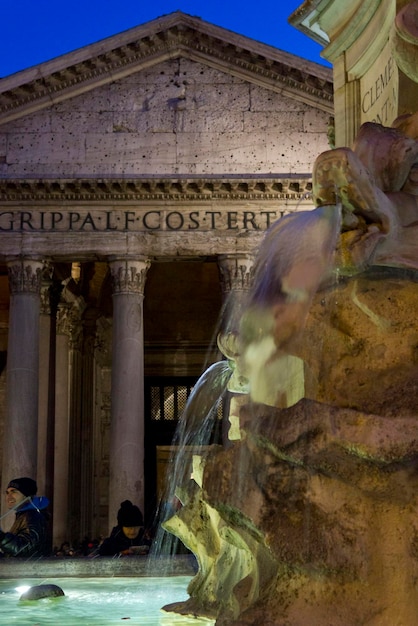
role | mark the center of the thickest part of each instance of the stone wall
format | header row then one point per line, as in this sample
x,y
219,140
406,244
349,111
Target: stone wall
x,y
176,117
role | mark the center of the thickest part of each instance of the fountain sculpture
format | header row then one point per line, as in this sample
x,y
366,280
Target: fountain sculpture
x,y
310,514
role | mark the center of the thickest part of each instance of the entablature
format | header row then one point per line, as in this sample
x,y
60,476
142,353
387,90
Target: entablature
x,y
293,187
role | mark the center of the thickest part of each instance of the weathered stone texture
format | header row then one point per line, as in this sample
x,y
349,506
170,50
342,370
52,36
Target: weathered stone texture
x,y
366,324
177,117
309,519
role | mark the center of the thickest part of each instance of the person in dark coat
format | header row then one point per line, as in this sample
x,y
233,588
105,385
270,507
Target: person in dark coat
x,y
29,535
128,536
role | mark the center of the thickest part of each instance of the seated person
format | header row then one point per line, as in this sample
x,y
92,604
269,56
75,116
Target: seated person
x,y
128,536
65,550
29,536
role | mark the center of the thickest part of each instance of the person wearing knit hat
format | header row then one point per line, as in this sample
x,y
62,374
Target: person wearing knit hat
x,y
128,537
129,515
25,485
29,534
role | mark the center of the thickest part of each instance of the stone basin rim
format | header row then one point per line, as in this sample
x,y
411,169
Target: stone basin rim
x,y
103,567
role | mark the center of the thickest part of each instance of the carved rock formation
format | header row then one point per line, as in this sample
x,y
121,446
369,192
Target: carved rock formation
x,y
310,515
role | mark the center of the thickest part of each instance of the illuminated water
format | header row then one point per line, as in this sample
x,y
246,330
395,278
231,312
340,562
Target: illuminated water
x,y
98,602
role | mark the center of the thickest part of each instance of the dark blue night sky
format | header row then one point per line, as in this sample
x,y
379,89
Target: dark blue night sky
x,y
34,31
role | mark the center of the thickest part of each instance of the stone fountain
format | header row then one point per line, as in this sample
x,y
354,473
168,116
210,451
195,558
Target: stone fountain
x,y
309,515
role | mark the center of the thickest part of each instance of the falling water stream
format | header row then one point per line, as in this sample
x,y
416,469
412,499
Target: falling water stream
x,y
194,432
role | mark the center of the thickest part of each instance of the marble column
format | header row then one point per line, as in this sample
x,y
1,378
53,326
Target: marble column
x,y
236,274
44,341
61,531
87,422
50,296
126,462
21,426
75,375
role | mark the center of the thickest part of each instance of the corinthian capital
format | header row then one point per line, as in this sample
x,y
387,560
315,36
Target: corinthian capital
x,y
236,271
25,275
129,275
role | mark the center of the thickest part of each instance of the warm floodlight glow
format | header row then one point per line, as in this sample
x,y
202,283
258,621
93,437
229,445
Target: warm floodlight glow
x,y
76,271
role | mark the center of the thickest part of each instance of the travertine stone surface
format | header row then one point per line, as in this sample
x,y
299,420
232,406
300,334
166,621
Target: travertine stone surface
x,y
313,515
179,116
367,325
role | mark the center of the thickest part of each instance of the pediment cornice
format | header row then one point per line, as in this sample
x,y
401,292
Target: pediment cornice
x,y
291,188
174,36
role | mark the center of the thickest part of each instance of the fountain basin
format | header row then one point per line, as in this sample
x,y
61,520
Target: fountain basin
x,y
101,591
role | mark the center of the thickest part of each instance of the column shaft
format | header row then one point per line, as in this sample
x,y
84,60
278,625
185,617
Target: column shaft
x,y
75,375
126,473
61,466
44,334
21,427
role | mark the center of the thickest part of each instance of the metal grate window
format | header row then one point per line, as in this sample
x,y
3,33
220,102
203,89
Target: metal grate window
x,y
168,402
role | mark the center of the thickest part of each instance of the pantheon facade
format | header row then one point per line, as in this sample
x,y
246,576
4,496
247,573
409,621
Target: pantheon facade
x,y
137,178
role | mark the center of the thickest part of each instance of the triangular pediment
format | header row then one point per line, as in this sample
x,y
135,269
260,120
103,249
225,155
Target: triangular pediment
x,y
173,36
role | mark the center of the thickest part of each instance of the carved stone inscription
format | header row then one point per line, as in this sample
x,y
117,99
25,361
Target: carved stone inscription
x,y
379,91
136,220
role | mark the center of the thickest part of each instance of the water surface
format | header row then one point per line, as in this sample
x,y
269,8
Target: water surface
x,y
98,602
